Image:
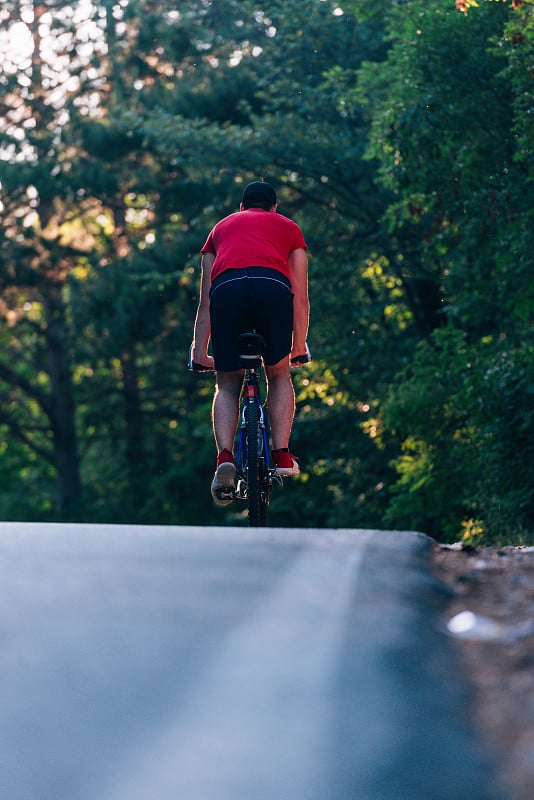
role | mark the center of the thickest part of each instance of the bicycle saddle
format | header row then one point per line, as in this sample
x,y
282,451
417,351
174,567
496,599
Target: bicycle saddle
x,y
251,346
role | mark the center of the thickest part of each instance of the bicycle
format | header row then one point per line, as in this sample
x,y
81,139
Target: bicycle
x,y
255,475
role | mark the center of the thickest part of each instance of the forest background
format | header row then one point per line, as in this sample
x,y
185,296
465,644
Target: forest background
x,y
398,133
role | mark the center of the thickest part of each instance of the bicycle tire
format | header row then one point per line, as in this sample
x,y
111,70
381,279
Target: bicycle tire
x,y
264,493
253,470
265,480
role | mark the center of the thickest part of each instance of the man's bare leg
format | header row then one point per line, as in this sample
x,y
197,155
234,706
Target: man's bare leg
x,y
280,402
225,413
225,416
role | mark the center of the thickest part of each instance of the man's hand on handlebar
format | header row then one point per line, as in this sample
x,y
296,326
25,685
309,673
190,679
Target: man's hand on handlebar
x,y
203,364
303,358
206,363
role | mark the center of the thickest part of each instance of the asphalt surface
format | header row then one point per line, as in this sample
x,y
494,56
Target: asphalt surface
x,y
159,663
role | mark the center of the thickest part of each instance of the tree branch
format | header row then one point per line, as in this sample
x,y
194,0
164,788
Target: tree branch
x,y
13,378
15,428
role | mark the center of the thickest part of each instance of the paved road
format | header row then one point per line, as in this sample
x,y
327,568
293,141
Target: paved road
x,y
154,663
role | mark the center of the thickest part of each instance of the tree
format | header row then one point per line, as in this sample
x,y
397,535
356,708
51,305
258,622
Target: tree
x,y
84,287
377,123
444,135
37,246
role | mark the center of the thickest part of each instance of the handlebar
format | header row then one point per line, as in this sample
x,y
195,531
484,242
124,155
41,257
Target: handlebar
x,y
298,361
305,358
194,366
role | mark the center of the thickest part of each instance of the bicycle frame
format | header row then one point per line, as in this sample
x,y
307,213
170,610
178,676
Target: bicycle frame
x,y
251,394
255,475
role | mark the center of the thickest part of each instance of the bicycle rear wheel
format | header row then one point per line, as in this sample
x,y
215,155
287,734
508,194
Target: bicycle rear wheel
x,y
264,493
256,490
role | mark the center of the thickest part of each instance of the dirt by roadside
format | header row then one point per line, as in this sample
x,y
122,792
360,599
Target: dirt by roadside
x,y
491,619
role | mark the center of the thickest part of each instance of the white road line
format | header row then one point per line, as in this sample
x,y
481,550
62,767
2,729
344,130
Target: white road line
x,y
254,727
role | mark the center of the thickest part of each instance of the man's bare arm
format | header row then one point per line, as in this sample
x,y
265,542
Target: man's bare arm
x,y
298,266
201,333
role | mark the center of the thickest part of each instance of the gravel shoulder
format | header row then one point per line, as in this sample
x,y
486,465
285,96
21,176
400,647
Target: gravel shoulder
x,y
491,619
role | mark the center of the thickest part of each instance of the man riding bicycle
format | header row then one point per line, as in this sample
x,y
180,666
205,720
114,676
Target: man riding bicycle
x,y
254,276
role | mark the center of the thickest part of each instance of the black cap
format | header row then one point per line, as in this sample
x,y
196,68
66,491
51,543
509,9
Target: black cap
x,y
259,194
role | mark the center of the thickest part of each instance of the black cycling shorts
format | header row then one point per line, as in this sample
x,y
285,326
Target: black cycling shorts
x,y
251,299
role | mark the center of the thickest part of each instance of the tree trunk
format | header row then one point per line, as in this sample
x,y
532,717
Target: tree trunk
x,y
135,448
62,416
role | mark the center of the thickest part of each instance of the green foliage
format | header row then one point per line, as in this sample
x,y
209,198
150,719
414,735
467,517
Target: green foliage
x,y
398,135
444,114
465,415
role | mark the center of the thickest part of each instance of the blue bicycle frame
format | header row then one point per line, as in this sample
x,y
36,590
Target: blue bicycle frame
x,y
251,393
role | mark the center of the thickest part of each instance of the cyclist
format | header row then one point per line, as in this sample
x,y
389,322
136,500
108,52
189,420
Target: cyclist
x,y
254,276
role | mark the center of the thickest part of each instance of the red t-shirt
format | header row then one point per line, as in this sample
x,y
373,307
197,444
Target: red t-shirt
x,y
253,238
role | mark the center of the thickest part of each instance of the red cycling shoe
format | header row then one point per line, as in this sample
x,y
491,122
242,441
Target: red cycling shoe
x,y
223,483
285,463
